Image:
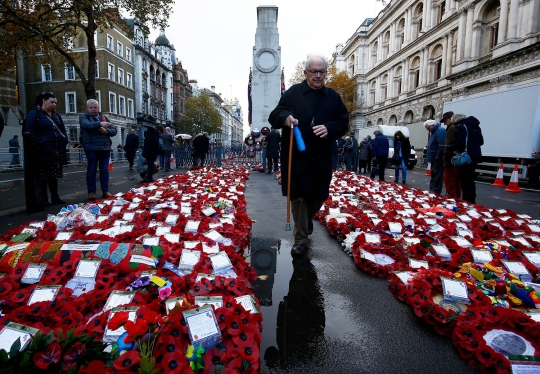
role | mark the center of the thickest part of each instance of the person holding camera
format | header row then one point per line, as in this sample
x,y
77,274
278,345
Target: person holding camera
x,y
97,132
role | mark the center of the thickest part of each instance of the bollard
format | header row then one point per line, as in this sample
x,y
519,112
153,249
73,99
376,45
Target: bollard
x,y
32,181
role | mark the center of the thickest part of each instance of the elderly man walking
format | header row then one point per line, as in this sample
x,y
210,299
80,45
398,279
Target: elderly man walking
x,y
97,132
168,142
132,143
435,153
321,117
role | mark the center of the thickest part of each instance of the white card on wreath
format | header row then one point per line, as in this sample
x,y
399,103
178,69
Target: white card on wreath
x,y
43,293
189,258
172,238
372,238
480,256
515,267
533,257
118,298
151,240
220,261
417,264
461,241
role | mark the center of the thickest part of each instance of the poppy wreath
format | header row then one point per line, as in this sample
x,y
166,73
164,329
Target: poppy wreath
x,y
477,324
387,247
83,317
425,295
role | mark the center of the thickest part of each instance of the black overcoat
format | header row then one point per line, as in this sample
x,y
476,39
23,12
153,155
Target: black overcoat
x,y
311,169
272,144
474,140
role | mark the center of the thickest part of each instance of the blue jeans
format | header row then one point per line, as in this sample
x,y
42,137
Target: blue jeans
x,y
403,167
351,163
94,158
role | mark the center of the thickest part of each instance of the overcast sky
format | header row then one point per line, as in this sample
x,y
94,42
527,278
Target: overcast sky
x,y
214,39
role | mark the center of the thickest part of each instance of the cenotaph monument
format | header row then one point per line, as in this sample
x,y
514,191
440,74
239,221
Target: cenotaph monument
x,y
266,85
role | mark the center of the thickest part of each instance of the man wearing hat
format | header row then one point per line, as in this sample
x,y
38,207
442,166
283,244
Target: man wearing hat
x,y
435,154
451,174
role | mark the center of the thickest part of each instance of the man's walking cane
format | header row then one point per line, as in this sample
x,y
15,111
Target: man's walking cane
x,y
288,226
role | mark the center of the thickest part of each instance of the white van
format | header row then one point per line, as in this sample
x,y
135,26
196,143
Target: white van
x,y
388,132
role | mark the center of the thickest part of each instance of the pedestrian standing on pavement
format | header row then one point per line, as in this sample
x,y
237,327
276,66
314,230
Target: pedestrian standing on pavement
x,y
435,153
351,147
380,148
97,132
272,150
452,182
201,143
131,146
168,142
151,150
51,139
363,153
305,104
14,149
402,147
469,137
370,153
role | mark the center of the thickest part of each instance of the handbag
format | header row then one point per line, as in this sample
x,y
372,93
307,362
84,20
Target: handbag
x,y
463,158
395,159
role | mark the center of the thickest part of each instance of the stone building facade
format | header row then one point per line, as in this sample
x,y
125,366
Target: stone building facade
x,y
418,54
181,88
114,82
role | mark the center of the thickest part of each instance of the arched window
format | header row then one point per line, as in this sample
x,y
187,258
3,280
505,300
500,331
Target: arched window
x,y
384,88
435,62
409,116
374,49
380,122
414,75
386,45
351,66
400,34
490,27
417,20
393,120
372,87
429,112
398,78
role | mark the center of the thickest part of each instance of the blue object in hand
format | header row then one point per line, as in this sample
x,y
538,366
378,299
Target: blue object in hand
x,y
299,140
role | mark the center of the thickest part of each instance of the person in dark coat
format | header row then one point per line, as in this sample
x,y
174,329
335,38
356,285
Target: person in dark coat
x,y
469,137
201,143
167,148
321,117
351,150
14,149
272,150
379,149
363,154
97,132
132,143
452,183
51,140
151,150
402,148
436,141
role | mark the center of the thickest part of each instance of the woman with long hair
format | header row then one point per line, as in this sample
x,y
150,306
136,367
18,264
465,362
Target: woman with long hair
x,y
402,152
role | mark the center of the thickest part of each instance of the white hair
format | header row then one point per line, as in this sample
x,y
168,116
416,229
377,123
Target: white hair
x,y
430,122
316,57
458,117
92,101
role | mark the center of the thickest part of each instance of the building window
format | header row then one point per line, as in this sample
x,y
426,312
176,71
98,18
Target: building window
x,y
70,73
442,10
111,72
96,38
398,87
71,102
73,135
121,105
144,64
120,49
383,93
97,69
120,76
438,69
110,42
128,54
112,102
46,74
494,34
416,78
144,85
129,80
98,98
130,108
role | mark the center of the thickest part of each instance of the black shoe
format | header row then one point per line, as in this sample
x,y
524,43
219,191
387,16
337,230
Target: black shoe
x,y
404,182
299,249
310,228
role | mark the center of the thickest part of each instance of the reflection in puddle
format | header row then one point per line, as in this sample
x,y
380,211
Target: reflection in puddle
x,y
291,299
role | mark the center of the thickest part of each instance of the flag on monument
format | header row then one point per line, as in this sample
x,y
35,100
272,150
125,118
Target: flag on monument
x,y
282,81
249,96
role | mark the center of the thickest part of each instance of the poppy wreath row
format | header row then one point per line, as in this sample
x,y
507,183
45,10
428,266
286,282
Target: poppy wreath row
x,y
373,205
72,327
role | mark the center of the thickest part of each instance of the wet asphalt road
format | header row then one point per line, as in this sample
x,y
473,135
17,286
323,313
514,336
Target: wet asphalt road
x,y
321,313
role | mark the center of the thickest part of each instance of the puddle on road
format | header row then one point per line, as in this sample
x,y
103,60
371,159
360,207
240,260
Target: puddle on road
x,y
291,302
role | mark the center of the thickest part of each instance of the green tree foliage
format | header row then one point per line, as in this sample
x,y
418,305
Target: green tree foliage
x,y
42,30
201,115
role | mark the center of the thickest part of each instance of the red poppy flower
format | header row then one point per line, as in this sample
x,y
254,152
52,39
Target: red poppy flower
x,y
212,358
118,320
175,362
73,354
51,355
250,354
135,330
128,361
94,367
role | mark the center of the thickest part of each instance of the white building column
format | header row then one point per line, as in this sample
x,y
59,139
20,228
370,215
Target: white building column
x,y
378,89
444,57
447,7
405,76
532,26
513,19
461,35
476,34
408,26
426,17
503,21
469,31
448,64
423,68
390,83
392,41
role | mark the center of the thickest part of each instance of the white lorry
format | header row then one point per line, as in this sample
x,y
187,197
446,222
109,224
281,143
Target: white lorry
x,y
510,123
388,132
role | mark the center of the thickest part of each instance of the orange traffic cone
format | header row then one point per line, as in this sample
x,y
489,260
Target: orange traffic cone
x,y
111,167
172,159
499,181
428,170
513,185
